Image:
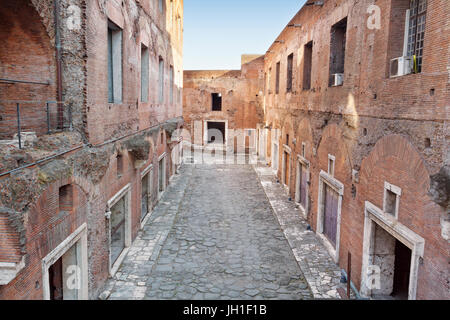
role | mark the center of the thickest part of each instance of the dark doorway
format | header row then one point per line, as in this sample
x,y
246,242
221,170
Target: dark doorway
x,y
402,267
216,132
55,273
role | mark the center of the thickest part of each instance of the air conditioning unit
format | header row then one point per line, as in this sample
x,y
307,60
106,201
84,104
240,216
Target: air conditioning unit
x,y
401,66
337,79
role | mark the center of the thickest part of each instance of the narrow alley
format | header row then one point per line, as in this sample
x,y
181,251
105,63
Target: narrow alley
x,y
213,235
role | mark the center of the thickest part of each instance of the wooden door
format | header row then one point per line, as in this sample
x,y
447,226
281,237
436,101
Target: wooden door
x,y
330,214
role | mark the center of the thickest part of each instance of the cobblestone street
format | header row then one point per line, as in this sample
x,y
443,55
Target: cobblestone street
x,y
214,235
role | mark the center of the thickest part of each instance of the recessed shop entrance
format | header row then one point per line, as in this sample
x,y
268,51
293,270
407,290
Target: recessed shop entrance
x,y
391,257
65,269
216,132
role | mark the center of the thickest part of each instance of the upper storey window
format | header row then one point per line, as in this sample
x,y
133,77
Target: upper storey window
x,y
161,80
144,73
216,101
337,52
307,65
407,34
290,65
114,63
277,79
416,31
161,6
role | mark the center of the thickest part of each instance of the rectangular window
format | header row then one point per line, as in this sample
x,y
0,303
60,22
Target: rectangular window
x,y
114,63
216,101
416,31
171,84
290,65
119,163
277,79
117,221
307,65
161,80
161,6
66,198
337,52
331,160
144,73
391,199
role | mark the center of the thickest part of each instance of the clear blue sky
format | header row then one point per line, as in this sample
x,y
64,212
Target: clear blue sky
x,y
217,32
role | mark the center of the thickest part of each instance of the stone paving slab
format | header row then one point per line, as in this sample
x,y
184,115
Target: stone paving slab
x,y
212,236
321,273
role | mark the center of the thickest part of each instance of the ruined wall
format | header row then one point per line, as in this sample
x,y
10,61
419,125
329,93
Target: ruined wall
x,y
31,225
368,107
241,92
26,54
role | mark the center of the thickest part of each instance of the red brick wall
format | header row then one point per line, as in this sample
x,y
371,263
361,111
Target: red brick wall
x,y
369,109
46,227
241,95
26,54
111,120
92,168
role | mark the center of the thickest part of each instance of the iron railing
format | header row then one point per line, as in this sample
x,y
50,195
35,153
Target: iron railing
x,y
39,117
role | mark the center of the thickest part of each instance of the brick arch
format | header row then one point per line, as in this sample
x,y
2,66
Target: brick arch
x,y
332,142
45,227
287,128
399,148
304,134
48,199
394,159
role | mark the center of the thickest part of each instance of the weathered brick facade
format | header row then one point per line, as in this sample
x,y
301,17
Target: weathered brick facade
x,y
65,182
240,92
379,129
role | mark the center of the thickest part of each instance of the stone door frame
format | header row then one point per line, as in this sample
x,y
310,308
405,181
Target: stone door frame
x,y
205,132
336,185
301,161
124,192
149,171
374,215
286,149
77,238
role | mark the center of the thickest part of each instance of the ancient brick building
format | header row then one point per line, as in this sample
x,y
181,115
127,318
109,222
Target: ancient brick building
x,y
356,126
225,105
97,87
355,102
